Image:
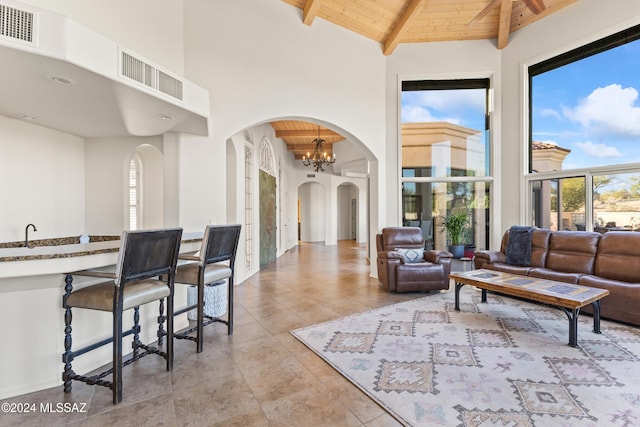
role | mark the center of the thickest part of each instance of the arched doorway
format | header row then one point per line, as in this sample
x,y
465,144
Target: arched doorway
x,y
347,212
311,212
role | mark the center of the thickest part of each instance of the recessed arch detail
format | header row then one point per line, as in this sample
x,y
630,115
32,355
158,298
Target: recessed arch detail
x,y
267,159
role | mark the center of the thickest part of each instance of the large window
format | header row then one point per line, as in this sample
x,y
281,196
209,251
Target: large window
x,y
584,167
445,157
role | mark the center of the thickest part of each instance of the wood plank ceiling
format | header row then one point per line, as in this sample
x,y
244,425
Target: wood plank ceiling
x,y
299,136
392,22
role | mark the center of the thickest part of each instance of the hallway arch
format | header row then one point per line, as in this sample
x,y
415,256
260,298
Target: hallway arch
x,y
312,221
317,192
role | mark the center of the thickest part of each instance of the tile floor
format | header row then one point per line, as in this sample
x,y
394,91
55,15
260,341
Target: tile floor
x,y
259,376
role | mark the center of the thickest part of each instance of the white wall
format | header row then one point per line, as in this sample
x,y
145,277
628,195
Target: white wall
x,y
150,28
260,63
41,181
107,167
151,187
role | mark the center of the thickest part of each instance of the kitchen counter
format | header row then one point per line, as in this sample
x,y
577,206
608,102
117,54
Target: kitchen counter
x,y
31,289
65,254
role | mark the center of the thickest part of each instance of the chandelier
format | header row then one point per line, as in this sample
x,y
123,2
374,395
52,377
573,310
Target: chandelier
x,y
319,158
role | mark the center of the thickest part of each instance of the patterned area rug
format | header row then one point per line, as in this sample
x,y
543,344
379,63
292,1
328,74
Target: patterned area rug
x,y
501,363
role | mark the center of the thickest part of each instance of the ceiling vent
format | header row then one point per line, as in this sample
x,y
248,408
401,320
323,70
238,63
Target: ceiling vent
x,y
17,25
148,75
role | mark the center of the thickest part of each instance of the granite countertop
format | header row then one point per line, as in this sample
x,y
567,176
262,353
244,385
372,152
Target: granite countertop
x,y
59,247
66,247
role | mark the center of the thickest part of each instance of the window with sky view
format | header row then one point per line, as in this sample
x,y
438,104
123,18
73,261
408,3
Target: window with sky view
x,y
585,137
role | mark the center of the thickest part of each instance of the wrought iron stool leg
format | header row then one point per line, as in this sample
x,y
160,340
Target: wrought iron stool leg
x,y
230,306
161,318
135,344
67,356
200,320
116,385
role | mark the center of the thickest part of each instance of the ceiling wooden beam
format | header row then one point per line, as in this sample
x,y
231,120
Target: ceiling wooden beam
x,y
484,12
505,23
536,6
409,15
311,8
308,148
306,133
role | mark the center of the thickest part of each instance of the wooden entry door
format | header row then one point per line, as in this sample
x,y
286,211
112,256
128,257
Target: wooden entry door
x,y
268,227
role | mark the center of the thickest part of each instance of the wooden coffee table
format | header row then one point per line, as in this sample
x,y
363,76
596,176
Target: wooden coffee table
x,y
568,297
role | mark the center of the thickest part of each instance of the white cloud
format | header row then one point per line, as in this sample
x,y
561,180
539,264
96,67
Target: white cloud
x,y
549,112
598,150
608,111
448,100
416,113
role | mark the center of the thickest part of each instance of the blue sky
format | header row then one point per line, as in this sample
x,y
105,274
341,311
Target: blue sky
x,y
591,107
462,107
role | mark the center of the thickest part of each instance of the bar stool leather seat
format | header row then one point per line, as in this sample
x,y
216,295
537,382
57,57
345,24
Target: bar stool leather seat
x,y
214,263
100,296
145,272
189,273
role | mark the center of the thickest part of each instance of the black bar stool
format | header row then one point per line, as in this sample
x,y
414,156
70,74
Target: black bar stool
x,y
215,263
144,273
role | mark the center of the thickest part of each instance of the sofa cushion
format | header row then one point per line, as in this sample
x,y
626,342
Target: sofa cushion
x,y
572,252
558,276
622,302
618,256
507,268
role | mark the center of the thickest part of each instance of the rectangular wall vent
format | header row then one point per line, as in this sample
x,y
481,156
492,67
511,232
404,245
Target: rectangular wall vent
x,y
16,24
148,75
169,85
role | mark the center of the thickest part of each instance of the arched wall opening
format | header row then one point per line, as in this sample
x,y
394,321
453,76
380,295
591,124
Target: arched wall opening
x,y
312,212
307,201
348,217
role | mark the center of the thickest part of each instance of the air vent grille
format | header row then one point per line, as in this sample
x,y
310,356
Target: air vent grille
x,y
148,75
16,24
169,85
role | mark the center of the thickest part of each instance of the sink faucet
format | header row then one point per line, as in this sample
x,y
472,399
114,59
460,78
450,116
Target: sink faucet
x,y
26,234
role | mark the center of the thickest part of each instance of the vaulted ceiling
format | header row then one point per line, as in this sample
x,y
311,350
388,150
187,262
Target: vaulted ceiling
x,y
392,22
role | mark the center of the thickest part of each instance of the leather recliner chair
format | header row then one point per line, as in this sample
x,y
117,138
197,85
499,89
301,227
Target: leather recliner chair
x,y
400,270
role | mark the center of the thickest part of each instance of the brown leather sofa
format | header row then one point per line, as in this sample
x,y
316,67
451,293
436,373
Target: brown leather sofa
x,y
608,261
414,270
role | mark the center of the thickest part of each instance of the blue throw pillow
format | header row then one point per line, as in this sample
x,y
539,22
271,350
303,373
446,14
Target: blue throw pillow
x,y
411,255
